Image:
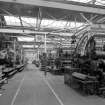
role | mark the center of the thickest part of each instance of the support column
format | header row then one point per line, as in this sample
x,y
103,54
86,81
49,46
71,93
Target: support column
x,y
45,56
38,54
15,52
45,44
34,45
21,55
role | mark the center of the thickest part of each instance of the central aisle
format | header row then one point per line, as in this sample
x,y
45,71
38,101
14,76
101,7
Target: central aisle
x,y
33,90
31,87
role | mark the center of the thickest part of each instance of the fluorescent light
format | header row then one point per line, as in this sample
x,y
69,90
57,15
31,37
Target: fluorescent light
x,y
29,46
27,39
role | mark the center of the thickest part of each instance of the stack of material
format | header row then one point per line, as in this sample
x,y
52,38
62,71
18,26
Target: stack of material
x,y
79,76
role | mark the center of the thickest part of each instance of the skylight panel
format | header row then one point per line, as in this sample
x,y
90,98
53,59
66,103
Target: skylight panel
x,y
11,20
83,1
100,2
53,24
28,21
45,23
75,25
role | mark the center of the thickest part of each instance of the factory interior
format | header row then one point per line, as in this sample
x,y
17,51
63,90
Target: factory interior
x,y
52,52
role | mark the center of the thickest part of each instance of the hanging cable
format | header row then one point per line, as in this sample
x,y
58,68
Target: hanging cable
x,y
88,21
21,23
62,18
39,19
54,19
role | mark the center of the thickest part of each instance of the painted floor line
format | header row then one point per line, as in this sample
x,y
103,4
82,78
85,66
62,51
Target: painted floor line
x,y
55,94
20,85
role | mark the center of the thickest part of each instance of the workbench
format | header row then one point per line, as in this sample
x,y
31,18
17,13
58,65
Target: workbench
x,y
88,84
68,74
12,70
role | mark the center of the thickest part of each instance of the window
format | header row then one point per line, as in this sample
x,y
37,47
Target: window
x,y
45,23
15,21
11,20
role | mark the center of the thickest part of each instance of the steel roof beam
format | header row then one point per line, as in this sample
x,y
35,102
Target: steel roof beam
x,y
37,43
31,33
70,6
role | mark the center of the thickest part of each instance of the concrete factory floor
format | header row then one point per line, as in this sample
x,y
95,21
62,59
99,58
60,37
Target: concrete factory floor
x,y
30,87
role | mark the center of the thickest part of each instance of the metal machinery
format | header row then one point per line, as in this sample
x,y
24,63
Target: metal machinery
x,y
50,61
62,60
11,53
56,68
87,70
11,57
43,60
57,60
47,61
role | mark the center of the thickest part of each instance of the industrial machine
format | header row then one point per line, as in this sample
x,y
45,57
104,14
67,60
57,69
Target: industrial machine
x,y
56,69
62,60
65,58
87,70
11,58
